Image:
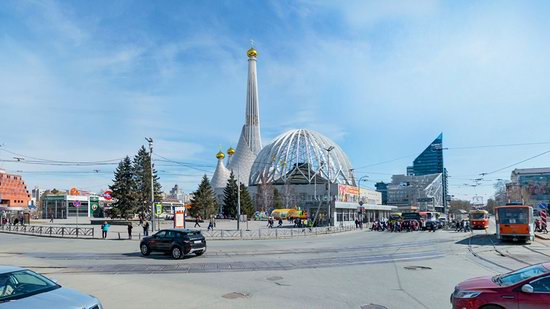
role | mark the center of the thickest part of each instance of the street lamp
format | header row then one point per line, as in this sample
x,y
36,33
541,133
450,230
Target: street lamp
x,y
329,149
150,141
360,201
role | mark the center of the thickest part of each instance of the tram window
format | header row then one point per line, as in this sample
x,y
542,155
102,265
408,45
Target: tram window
x,y
513,215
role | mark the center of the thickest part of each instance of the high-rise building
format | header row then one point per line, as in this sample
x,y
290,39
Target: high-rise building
x,y
382,187
430,161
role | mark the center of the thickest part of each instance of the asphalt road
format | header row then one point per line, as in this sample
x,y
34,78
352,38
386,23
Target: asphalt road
x,y
348,270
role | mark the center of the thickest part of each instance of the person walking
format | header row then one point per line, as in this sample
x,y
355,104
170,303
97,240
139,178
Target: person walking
x,y
212,223
104,229
130,227
51,218
197,220
146,228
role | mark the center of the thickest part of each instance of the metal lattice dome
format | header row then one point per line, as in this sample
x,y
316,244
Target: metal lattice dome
x,y
300,157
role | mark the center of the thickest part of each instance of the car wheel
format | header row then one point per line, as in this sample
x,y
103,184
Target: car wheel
x,y
176,253
145,250
491,307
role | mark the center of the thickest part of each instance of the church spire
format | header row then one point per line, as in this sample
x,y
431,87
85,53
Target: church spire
x,y
250,142
252,117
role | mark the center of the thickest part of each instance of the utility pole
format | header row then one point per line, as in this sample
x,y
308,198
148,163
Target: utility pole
x,y
329,149
150,141
238,198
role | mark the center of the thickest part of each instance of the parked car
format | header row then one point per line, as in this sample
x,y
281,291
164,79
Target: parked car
x,y
23,288
176,242
527,287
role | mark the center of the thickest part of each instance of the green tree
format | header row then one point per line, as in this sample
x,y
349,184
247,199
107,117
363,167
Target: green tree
x,y
124,190
277,202
230,197
247,207
203,202
142,176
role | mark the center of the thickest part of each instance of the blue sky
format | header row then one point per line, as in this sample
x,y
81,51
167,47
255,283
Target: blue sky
x,y
88,80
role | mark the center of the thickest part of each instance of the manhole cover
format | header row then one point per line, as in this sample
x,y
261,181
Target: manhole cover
x,y
274,278
417,267
235,295
373,306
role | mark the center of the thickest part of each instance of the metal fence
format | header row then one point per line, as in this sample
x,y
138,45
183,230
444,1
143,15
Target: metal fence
x,y
55,231
275,233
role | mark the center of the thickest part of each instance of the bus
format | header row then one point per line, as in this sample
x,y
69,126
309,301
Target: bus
x,y
285,214
395,217
515,222
479,219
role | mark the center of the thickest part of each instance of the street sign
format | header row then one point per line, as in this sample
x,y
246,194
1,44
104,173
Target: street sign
x,y
158,209
94,207
107,195
77,204
542,205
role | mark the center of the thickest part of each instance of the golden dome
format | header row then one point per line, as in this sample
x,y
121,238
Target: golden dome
x,y
252,52
230,151
220,155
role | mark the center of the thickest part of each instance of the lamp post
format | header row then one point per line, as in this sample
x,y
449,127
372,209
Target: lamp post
x,y
360,201
150,141
329,149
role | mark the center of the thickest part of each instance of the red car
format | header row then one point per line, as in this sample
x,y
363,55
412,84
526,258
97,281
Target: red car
x,y
525,288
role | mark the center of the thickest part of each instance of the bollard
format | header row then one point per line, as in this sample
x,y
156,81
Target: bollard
x,y
259,233
291,233
222,234
118,235
276,234
241,234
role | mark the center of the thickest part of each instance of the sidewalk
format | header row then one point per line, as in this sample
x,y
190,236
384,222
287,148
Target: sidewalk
x,y
543,236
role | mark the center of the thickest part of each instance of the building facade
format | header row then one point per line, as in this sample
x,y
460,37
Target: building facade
x,y
429,162
529,186
14,195
422,193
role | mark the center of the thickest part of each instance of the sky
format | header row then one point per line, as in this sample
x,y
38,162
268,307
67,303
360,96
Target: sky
x,y
89,80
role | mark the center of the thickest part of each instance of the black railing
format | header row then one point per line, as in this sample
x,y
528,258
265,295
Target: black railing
x,y
55,231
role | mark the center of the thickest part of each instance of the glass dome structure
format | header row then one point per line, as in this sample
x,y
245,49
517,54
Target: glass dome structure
x,y
301,157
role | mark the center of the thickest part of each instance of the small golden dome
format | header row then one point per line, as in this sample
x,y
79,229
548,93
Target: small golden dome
x,y
252,52
220,155
230,151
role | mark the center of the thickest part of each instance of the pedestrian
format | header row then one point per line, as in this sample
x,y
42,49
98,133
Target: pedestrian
x,y
145,228
197,220
15,221
51,218
130,227
104,229
212,223
280,222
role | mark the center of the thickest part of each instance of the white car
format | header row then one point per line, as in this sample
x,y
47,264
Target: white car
x,y
22,288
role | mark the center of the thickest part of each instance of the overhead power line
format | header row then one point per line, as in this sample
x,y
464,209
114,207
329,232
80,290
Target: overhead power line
x,y
512,165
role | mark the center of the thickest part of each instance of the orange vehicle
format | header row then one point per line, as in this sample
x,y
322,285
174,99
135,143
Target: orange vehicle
x,y
479,219
285,214
515,222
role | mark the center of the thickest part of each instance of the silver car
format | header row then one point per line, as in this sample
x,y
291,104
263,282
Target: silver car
x,y
23,288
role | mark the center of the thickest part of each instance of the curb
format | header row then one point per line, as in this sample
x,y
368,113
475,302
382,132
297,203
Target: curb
x,y
542,237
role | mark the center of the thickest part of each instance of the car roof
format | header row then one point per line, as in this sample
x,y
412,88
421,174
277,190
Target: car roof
x,y
8,269
181,230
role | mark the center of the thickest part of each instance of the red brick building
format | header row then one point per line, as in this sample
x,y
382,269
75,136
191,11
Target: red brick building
x,y
13,191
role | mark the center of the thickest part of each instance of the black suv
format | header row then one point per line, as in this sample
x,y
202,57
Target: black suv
x,y
176,242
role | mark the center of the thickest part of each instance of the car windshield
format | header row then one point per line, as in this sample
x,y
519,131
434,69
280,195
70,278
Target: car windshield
x,y
520,275
23,283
